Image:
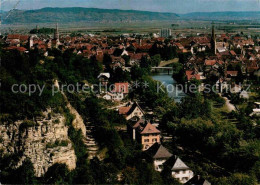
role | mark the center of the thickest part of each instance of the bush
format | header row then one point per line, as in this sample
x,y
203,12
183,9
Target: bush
x,y
26,124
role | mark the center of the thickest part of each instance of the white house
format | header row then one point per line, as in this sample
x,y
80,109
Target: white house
x,y
103,78
124,53
131,111
113,96
107,96
244,94
159,155
256,110
179,170
117,96
236,89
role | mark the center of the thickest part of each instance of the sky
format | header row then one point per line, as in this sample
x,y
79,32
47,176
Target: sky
x,y
175,6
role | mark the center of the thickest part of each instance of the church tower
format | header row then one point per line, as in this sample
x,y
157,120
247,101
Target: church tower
x,y
56,33
213,41
56,41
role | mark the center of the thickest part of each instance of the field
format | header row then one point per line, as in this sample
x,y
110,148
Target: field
x,y
187,27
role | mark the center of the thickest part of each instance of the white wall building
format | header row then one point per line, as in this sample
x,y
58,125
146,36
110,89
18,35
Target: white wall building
x,y
165,32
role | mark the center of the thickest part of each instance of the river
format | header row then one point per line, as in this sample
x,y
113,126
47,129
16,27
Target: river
x,y
176,93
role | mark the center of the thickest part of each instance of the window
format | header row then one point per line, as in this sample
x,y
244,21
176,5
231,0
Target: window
x,y
154,140
146,140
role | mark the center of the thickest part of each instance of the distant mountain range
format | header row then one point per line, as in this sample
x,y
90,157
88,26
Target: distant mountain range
x,y
222,16
77,14
66,15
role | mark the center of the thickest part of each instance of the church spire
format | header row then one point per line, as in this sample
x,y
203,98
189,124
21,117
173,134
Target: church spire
x,y
56,33
213,40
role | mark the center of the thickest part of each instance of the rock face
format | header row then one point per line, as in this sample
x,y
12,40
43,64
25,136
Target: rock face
x,y
44,141
78,122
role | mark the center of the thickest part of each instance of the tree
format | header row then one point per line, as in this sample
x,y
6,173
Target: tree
x,y
130,175
25,173
144,62
58,174
127,60
155,60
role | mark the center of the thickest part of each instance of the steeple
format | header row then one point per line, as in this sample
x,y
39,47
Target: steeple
x,y
213,40
56,33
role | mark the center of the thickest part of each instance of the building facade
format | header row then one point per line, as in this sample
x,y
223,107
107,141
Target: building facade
x,y
165,32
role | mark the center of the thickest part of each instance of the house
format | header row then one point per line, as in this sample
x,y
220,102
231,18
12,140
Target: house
x,y
209,63
232,73
257,105
233,53
20,49
121,88
244,94
124,53
120,91
159,155
221,85
103,78
144,132
179,170
235,88
256,110
117,96
113,96
117,62
107,96
197,180
131,111
192,75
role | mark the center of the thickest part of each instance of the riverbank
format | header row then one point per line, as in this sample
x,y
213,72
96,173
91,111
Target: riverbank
x,y
166,79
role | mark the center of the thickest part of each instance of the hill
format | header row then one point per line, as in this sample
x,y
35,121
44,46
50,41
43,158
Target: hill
x,y
77,14
222,16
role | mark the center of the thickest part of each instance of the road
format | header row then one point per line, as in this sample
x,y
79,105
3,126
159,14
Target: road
x,y
168,62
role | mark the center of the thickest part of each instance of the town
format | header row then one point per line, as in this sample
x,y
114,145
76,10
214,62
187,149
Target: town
x,y
123,129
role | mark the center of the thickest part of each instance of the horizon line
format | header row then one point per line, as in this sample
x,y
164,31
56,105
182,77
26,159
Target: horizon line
x,y
231,11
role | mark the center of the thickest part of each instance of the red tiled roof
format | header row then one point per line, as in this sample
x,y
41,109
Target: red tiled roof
x,y
191,75
233,53
150,129
121,88
21,49
24,37
232,73
179,45
14,36
210,62
124,110
137,56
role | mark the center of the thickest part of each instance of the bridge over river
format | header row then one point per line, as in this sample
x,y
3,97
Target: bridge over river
x,y
156,69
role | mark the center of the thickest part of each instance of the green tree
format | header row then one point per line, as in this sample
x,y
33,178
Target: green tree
x,y
58,174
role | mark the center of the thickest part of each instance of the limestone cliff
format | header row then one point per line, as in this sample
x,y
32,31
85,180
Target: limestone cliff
x,y
44,141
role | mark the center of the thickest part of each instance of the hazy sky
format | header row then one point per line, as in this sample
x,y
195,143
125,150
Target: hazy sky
x,y
177,6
